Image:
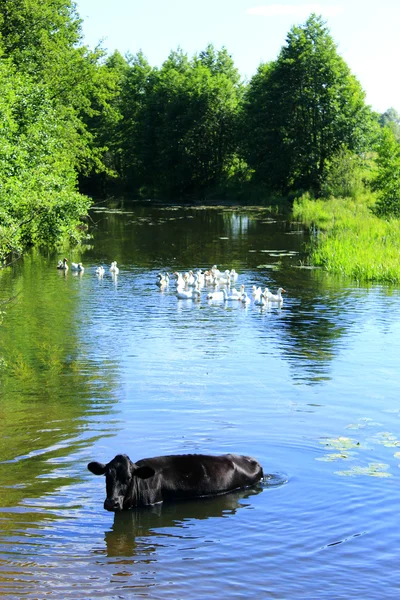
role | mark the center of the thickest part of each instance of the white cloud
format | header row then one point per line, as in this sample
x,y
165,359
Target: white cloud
x,y
302,10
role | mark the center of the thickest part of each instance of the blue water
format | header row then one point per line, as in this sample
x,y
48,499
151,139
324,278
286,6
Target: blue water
x,y
94,367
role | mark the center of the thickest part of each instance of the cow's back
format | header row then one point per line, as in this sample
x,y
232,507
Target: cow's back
x,y
196,475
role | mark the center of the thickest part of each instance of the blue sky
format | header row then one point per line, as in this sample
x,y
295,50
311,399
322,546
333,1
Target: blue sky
x,y
366,33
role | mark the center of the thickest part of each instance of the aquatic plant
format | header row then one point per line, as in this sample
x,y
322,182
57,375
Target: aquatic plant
x,y
349,240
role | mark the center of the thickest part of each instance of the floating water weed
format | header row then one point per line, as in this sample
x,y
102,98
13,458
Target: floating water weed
x,y
372,470
344,448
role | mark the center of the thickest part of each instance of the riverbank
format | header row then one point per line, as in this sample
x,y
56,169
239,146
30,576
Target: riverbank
x,y
349,240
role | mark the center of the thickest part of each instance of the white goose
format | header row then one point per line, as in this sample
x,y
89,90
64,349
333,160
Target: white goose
x,y
187,294
233,276
200,277
100,271
189,278
215,272
234,295
180,281
113,268
277,297
260,300
244,298
267,294
195,279
224,278
77,267
218,295
62,264
162,280
210,278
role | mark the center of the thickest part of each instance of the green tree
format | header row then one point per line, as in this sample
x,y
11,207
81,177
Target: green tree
x,y
345,175
48,84
180,122
387,179
57,100
391,118
37,34
43,40
137,127
301,109
215,142
38,199
103,170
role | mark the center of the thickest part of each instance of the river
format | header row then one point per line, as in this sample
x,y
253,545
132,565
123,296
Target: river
x,y
91,367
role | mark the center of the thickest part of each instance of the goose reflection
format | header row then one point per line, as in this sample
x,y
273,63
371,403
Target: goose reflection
x,y
129,526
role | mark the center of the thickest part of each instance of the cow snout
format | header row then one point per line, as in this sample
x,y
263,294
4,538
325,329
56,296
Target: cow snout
x,y
113,504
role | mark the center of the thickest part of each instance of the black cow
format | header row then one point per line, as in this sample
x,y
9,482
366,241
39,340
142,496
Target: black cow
x,y
153,480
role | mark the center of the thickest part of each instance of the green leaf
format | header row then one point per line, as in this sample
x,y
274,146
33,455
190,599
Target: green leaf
x,y
373,470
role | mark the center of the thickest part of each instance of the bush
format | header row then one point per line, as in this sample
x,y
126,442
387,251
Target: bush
x,y
344,175
39,203
387,179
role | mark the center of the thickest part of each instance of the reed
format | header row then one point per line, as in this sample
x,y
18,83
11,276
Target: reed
x,y
347,239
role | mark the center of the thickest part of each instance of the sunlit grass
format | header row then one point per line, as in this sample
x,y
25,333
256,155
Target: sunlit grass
x,y
349,240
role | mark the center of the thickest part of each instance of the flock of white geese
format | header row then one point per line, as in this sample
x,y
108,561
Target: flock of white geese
x,y
188,287
79,268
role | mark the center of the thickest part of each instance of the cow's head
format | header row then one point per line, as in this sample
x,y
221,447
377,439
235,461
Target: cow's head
x,y
120,474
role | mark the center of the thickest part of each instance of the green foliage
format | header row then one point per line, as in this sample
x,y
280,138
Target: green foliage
x,y
391,118
178,135
348,449
42,39
101,157
56,98
38,199
302,109
349,240
36,34
135,146
387,179
71,115
346,174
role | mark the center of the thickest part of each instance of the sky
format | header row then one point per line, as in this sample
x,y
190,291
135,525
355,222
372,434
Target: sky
x,y
366,33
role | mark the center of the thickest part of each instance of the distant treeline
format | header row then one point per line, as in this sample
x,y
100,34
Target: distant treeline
x,y
76,122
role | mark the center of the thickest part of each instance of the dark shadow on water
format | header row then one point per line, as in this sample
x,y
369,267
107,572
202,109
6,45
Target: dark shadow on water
x,y
130,527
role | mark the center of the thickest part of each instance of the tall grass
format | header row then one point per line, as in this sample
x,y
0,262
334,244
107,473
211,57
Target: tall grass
x,y
348,240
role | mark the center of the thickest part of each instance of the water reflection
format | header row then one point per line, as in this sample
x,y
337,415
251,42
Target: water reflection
x,y
319,325
310,341
93,367
145,528
50,382
308,331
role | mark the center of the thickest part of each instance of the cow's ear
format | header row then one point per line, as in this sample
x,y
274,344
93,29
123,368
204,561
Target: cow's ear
x,y
97,468
144,472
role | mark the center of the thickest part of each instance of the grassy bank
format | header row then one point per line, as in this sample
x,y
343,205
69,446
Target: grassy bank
x,y
349,240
